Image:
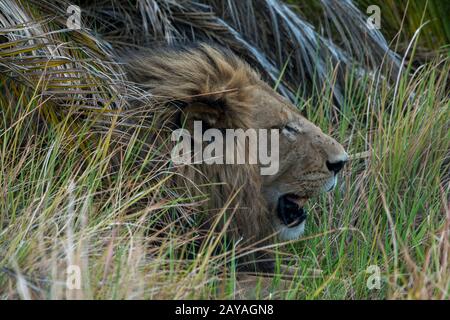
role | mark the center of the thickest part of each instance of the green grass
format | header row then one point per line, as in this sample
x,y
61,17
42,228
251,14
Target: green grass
x,y
392,209
61,205
402,18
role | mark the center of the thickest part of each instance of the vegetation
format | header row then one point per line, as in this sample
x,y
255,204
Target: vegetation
x,y
401,20
63,98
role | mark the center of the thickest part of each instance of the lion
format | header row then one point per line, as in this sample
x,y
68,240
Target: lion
x,y
213,85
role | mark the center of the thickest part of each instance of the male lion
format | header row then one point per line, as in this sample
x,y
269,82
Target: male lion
x,y
214,86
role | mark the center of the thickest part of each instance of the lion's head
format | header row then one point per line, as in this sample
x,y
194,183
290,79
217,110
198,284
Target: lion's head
x,y
309,161
215,87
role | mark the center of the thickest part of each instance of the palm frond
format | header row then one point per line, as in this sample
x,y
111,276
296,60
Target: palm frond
x,y
275,38
70,68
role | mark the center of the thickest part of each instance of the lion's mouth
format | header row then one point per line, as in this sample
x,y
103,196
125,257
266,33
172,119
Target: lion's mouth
x,y
290,210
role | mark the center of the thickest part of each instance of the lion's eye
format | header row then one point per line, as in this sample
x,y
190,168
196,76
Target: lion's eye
x,y
289,129
290,132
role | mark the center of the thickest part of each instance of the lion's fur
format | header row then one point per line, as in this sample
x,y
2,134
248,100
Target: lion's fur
x,y
200,73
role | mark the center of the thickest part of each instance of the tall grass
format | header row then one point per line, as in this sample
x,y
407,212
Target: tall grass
x,y
61,208
400,20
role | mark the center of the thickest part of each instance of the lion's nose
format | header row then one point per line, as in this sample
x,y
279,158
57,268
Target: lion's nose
x,y
335,166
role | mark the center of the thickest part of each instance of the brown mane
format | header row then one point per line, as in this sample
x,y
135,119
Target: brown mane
x,y
205,76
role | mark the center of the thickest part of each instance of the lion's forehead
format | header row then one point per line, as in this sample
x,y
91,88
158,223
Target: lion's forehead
x,y
271,110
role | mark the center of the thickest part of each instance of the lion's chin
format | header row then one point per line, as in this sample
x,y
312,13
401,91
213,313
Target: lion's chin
x,y
286,233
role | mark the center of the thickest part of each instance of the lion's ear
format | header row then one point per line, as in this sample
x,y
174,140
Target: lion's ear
x,y
209,115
